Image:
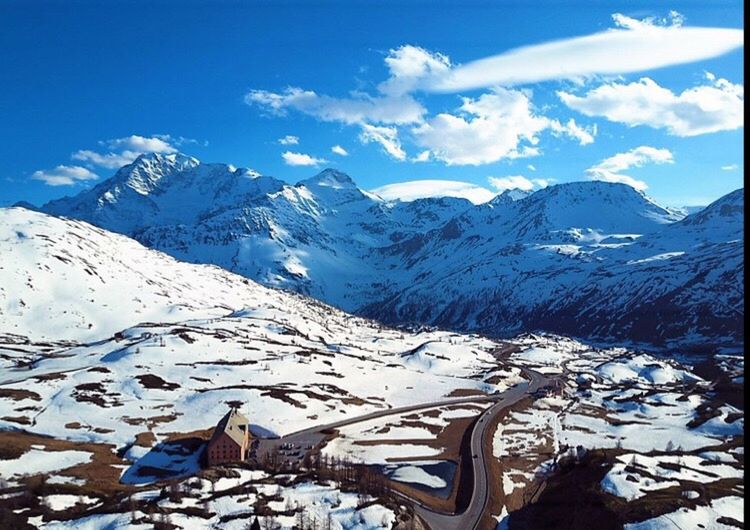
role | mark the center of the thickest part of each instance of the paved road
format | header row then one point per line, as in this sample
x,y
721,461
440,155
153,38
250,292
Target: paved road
x,y
314,435
472,515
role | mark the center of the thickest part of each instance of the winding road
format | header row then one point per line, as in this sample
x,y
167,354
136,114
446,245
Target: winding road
x,y
471,517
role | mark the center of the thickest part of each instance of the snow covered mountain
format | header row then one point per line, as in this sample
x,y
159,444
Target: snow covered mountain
x,y
66,279
589,259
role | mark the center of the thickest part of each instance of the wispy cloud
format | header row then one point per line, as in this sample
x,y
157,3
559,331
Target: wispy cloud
x,y
502,123
730,167
517,182
611,169
118,152
632,46
387,137
143,144
423,156
122,151
300,159
105,160
361,108
64,175
289,140
338,150
718,106
420,189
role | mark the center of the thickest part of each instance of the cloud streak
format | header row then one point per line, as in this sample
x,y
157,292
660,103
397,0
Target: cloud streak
x,y
633,46
358,109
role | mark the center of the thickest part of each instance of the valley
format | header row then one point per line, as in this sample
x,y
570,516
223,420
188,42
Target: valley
x,y
104,423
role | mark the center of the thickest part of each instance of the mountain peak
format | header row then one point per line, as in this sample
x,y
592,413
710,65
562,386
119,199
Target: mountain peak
x,y
329,178
146,171
509,196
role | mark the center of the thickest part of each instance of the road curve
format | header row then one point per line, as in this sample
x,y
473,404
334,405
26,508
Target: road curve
x,y
478,505
396,410
472,515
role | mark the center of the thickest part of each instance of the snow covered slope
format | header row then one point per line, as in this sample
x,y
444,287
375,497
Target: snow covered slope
x,y
66,279
153,325
592,259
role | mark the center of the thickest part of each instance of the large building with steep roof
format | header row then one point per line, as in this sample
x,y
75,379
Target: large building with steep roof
x,y
230,441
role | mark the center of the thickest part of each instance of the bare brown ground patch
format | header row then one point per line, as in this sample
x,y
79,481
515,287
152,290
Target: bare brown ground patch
x,y
467,392
496,468
203,434
152,421
453,440
102,479
56,376
21,420
18,394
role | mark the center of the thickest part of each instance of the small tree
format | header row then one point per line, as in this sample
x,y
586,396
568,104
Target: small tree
x,y
301,518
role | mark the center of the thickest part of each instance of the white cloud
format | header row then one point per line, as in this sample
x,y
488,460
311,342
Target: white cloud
x,y
124,150
531,167
410,66
289,140
500,124
300,159
337,149
610,169
703,109
730,167
513,182
517,182
419,189
64,175
387,137
542,183
360,108
634,46
496,125
106,160
424,156
142,144
571,129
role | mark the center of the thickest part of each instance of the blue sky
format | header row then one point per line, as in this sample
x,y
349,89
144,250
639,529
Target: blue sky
x,y
651,99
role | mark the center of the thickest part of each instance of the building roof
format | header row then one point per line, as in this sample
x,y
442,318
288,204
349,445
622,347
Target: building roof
x,y
233,424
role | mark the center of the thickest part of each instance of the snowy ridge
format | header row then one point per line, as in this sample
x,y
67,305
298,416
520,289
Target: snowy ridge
x,y
593,259
68,280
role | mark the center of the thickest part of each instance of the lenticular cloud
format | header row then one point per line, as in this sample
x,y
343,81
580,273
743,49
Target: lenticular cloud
x,y
635,46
